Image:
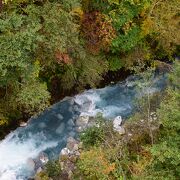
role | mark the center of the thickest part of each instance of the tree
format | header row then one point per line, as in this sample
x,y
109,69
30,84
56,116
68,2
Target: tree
x,y
165,17
98,31
127,22
19,38
62,49
166,159
33,97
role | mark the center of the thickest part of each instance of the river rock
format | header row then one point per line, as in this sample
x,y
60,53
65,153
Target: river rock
x,y
117,122
153,116
87,106
59,116
82,121
67,98
43,158
72,133
92,122
117,125
70,109
79,129
23,124
72,144
77,153
42,125
76,108
72,101
60,129
121,130
76,147
65,151
68,167
40,161
70,122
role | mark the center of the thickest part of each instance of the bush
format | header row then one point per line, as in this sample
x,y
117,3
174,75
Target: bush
x,y
94,136
53,169
94,164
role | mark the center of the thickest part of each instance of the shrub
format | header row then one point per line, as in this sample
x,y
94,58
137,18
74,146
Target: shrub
x,y
94,135
93,164
53,169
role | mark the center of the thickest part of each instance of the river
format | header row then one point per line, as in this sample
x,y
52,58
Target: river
x,y
49,131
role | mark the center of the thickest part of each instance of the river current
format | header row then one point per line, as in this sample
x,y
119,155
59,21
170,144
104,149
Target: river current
x,y
49,131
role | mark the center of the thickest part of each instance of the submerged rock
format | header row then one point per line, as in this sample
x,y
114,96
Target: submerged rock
x,y
59,116
42,125
72,134
60,129
31,164
70,122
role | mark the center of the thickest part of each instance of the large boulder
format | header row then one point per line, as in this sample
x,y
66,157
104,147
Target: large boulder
x,y
117,122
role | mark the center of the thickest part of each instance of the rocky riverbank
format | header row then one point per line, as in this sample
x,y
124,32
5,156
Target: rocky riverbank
x,y
126,133
70,154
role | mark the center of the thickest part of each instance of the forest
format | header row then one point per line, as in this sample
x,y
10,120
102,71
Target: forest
x,y
50,49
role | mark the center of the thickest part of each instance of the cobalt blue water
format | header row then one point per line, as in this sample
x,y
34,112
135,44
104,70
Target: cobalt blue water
x,y
49,131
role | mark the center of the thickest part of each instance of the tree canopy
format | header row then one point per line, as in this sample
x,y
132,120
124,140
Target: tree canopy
x,y
75,43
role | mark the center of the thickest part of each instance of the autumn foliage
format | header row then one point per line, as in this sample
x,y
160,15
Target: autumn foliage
x,y
63,58
98,31
95,165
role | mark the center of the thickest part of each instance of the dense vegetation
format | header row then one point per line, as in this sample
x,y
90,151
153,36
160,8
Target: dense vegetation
x,y
149,148
138,157
50,46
